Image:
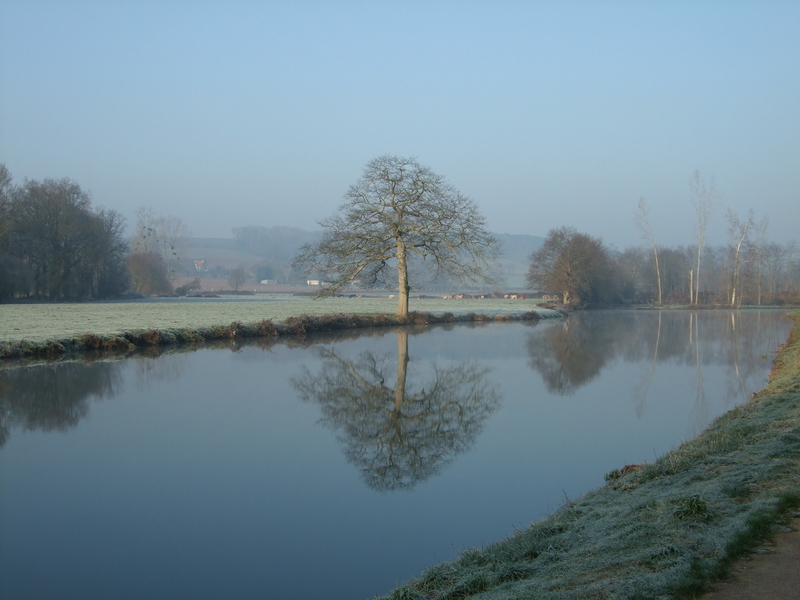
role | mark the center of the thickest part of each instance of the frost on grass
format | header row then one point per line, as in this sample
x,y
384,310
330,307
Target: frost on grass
x,y
297,325
661,530
39,322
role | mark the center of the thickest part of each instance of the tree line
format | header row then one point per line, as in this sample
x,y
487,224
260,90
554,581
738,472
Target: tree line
x,y
55,245
747,270
400,211
585,272
400,221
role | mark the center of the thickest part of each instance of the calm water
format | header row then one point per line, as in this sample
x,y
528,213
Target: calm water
x,y
338,467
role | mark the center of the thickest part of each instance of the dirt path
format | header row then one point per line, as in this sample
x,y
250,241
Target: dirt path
x,y
773,572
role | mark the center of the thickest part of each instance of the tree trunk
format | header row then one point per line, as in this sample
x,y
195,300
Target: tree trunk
x,y
658,274
402,369
402,279
643,221
697,279
735,277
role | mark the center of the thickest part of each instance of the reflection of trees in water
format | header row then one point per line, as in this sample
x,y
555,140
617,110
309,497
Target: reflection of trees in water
x,y
700,401
640,392
52,397
157,368
400,434
570,355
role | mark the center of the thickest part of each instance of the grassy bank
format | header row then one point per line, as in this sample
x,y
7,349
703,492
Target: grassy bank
x,y
39,322
660,530
266,329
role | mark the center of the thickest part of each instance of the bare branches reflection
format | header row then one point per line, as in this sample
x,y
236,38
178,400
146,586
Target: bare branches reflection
x,y
569,355
399,426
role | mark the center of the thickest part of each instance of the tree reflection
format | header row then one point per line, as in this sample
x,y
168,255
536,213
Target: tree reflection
x,y
572,354
700,402
52,397
161,367
569,355
640,393
399,435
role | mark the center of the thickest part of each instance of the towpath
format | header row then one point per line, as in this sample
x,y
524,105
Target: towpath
x,y
771,573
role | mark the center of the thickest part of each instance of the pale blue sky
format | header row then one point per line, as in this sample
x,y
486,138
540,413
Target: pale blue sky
x,y
545,113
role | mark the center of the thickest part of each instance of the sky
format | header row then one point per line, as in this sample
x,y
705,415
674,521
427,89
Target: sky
x,y
547,114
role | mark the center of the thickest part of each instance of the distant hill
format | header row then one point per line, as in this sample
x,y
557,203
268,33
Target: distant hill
x,y
516,252
266,251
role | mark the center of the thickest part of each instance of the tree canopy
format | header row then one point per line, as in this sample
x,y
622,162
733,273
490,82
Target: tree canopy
x,y
399,210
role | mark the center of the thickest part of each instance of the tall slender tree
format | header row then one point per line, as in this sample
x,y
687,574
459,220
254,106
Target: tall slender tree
x,y
761,240
703,199
738,232
165,235
643,222
6,188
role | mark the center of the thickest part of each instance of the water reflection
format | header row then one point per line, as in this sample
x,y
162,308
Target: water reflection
x,y
207,477
641,390
571,354
52,397
151,372
399,429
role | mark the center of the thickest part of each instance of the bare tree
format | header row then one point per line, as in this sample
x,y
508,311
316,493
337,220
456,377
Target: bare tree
x,y
107,255
643,223
165,235
761,230
146,237
6,188
632,262
399,209
738,232
774,261
703,199
173,242
791,251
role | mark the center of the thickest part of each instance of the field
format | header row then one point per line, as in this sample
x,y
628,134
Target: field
x,y
38,322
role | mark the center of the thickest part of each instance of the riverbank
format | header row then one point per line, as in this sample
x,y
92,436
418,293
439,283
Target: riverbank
x,y
660,530
37,322
118,341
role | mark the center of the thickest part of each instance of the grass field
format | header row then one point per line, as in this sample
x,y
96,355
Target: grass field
x,y
37,322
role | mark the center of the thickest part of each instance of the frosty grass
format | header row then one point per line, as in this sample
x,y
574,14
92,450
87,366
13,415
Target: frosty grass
x,y
38,322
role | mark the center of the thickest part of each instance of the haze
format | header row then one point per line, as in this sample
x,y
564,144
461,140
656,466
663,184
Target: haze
x,y
546,113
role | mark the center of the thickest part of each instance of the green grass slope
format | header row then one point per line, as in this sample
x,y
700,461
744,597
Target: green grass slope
x,y
661,530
